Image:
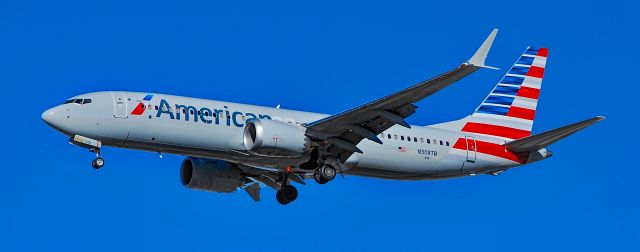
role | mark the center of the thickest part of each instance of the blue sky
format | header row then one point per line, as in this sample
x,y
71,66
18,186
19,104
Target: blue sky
x,y
324,56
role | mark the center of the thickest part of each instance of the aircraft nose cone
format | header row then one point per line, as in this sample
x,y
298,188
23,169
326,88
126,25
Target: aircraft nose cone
x,y
48,116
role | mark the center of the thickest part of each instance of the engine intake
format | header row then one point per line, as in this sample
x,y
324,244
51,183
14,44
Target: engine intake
x,y
274,138
210,175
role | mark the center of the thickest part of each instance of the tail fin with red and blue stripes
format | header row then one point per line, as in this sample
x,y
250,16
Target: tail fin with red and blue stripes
x,y
509,110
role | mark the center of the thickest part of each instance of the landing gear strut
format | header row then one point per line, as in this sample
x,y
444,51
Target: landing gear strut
x,y
324,174
287,193
98,162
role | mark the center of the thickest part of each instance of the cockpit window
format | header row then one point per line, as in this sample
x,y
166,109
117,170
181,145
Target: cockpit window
x,y
78,101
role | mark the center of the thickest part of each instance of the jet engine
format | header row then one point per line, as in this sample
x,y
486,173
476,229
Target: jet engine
x,y
211,175
274,138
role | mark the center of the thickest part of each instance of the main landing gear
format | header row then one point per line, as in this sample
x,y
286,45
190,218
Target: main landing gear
x,y
99,161
287,193
324,174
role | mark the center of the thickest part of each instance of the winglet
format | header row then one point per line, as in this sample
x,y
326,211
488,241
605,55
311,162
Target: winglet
x,y
479,57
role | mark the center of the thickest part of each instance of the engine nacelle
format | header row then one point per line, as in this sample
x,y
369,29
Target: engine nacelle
x,y
210,175
274,138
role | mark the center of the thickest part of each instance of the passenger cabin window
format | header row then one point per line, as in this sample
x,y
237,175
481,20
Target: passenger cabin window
x,y
402,138
415,139
421,140
395,137
428,141
389,136
441,142
447,143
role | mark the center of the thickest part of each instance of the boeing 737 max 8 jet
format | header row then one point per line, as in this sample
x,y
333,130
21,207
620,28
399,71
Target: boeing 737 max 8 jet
x,y
231,146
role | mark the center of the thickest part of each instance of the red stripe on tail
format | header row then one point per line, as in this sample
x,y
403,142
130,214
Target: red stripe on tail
x,y
495,130
543,52
528,92
535,71
523,113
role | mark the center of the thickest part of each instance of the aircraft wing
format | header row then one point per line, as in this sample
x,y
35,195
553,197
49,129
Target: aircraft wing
x,y
345,130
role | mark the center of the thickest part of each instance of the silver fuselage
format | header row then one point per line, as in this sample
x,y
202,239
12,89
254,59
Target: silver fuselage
x,y
109,118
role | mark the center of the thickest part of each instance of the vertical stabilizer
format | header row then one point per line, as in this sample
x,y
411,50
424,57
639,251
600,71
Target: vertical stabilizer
x,y
508,111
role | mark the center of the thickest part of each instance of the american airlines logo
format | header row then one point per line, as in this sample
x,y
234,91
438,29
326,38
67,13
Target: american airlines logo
x,y
140,108
204,114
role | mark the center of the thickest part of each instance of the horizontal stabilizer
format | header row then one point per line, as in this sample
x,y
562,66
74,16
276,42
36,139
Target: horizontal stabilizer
x,y
544,139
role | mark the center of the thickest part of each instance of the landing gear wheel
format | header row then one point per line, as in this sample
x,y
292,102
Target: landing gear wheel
x,y
280,199
290,193
97,163
287,194
328,172
324,174
318,178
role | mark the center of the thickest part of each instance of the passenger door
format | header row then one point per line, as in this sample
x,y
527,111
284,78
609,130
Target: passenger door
x,y
470,161
120,107
471,149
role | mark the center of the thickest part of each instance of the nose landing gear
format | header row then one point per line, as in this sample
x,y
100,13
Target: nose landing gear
x,y
93,146
98,162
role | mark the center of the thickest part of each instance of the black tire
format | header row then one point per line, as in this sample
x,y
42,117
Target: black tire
x,y
289,193
327,172
280,199
318,178
97,163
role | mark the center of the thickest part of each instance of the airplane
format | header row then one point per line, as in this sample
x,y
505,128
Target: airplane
x,y
231,146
